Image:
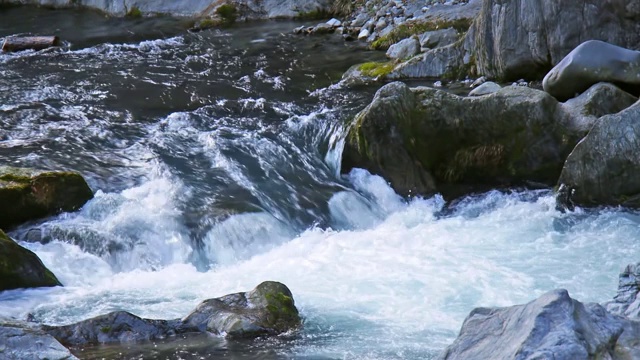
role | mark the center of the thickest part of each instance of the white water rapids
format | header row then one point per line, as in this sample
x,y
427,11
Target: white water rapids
x,y
396,285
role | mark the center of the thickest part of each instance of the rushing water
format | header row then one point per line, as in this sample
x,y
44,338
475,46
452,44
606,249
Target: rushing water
x,y
214,158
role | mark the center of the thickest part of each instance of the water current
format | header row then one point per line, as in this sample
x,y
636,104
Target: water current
x,y
214,157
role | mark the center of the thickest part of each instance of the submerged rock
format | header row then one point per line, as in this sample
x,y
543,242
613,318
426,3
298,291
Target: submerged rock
x,y
590,63
268,309
604,168
425,140
21,268
28,194
20,340
554,326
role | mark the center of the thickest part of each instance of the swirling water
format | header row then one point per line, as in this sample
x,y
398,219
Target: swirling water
x,y
215,157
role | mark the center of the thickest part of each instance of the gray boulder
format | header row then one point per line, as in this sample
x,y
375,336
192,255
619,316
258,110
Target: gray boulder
x,y
604,168
626,302
554,326
21,268
20,341
404,49
515,39
442,62
268,309
424,140
485,88
590,63
438,38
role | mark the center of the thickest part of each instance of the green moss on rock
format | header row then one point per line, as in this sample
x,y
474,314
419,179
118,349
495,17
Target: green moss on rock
x,y
376,69
28,194
21,268
409,29
228,13
134,13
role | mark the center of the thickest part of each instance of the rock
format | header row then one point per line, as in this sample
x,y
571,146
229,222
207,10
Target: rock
x,y
404,49
425,140
360,20
554,326
438,38
21,268
364,33
479,81
590,63
381,24
28,194
20,340
20,43
515,39
119,326
604,168
442,62
626,302
268,309
486,88
334,22
323,28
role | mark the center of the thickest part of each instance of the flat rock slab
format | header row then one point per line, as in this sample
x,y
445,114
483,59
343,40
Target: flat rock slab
x,y
14,43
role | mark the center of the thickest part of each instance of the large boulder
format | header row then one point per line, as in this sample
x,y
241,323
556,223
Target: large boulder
x,y
20,340
515,39
21,268
554,326
425,140
590,63
604,168
28,194
268,309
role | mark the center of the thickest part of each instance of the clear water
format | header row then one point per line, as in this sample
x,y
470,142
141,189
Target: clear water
x,y
214,159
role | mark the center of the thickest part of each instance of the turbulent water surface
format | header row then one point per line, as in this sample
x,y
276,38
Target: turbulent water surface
x,y
215,157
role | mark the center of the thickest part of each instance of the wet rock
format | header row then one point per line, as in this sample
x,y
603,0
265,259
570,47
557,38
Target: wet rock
x,y
267,310
20,340
21,268
425,140
626,302
590,63
554,326
604,168
515,39
119,326
486,88
404,49
438,38
28,194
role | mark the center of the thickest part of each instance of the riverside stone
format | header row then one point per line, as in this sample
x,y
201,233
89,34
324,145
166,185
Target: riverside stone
x,y
554,326
590,63
438,38
21,268
404,49
29,194
604,168
424,140
267,310
20,340
485,88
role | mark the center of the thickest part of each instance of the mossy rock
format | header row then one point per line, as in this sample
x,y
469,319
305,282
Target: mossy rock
x,y
21,268
411,28
267,310
28,194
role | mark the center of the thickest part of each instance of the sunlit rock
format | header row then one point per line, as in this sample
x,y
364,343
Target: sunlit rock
x,y
20,340
28,194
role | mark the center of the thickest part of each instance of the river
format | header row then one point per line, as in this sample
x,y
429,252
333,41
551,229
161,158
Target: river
x,y
214,157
